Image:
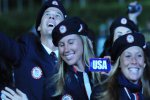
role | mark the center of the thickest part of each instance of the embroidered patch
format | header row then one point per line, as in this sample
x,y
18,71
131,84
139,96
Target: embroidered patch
x,y
62,29
67,97
130,39
124,21
55,2
36,72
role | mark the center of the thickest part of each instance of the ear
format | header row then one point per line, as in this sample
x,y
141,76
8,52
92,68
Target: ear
x,y
39,28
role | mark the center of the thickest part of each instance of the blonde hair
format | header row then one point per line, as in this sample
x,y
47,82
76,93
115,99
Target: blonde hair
x,y
59,78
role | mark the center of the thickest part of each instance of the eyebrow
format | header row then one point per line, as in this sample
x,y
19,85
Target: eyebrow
x,y
127,52
56,12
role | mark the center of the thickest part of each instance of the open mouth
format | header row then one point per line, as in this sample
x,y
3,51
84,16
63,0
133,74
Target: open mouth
x,y
50,25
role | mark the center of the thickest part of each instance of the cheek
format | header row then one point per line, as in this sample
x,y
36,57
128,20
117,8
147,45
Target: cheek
x,y
141,62
79,47
59,20
124,62
60,51
44,19
116,35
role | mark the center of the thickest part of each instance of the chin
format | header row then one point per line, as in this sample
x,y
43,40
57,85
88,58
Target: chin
x,y
134,79
70,63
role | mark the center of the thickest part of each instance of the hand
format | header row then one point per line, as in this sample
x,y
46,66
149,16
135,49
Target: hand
x,y
133,16
109,57
9,94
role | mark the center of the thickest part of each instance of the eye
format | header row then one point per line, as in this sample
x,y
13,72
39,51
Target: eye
x,y
60,44
127,56
58,15
140,55
46,14
71,42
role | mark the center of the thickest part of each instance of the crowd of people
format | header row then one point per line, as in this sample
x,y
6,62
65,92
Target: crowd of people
x,y
54,64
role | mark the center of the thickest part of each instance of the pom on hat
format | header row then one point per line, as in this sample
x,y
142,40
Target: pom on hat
x,y
126,41
47,4
73,25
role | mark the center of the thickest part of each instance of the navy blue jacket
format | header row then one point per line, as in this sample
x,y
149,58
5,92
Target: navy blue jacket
x,y
74,85
31,61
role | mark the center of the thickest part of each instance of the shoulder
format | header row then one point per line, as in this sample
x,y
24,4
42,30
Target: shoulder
x,y
28,36
28,39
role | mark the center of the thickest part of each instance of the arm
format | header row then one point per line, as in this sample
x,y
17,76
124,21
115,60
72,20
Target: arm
x,y
10,49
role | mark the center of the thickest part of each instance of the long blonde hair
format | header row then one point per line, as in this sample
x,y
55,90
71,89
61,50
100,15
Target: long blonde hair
x,y
59,78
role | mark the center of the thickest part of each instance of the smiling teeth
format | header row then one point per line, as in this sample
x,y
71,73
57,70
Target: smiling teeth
x,y
69,56
134,69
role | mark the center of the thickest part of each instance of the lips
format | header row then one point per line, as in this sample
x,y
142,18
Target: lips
x,y
50,25
69,56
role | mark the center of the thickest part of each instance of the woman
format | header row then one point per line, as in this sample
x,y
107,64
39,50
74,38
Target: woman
x,y
74,80
129,80
119,27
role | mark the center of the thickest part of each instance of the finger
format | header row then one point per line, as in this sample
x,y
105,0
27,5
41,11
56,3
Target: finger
x,y
20,92
10,91
7,94
107,57
3,96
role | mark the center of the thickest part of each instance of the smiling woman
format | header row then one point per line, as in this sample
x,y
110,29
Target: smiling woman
x,y
129,78
70,52
74,80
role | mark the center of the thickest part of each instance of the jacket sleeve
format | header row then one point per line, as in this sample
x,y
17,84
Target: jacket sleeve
x,y
10,49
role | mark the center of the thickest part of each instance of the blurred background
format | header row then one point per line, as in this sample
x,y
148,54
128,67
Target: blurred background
x,y
18,16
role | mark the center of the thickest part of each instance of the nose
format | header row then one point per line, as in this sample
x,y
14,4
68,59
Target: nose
x,y
66,48
51,17
133,60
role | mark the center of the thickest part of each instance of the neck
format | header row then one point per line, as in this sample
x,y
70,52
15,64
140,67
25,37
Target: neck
x,y
47,41
80,67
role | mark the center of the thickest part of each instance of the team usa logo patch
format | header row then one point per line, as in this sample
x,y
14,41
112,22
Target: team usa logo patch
x,y
124,21
62,29
130,39
67,97
36,72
